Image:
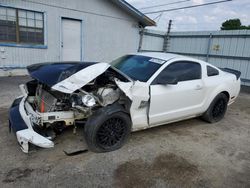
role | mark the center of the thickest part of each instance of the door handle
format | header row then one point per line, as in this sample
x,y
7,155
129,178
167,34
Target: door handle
x,y
198,87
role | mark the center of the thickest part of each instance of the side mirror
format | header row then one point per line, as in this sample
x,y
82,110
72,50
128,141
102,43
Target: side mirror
x,y
167,80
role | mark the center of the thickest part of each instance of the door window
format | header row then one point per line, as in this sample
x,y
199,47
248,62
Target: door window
x,y
182,70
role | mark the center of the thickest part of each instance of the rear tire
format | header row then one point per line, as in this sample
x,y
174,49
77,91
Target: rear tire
x,y
106,132
217,109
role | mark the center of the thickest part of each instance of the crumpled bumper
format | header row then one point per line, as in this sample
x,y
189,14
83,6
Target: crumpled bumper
x,y
21,124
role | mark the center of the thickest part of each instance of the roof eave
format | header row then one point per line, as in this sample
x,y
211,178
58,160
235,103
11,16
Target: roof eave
x,y
142,18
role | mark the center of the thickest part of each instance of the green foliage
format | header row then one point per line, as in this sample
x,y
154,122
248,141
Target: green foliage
x,y
233,24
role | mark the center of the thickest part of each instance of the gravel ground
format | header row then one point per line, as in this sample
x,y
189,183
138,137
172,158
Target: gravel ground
x,y
190,153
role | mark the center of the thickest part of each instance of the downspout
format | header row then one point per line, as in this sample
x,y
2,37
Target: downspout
x,y
208,46
141,32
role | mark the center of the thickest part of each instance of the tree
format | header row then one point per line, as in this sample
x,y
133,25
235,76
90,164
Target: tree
x,y
233,24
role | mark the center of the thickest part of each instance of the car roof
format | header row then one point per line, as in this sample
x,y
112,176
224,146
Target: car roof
x,y
168,56
160,55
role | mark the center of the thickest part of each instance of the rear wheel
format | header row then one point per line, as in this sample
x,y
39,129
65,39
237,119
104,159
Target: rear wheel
x,y
107,132
217,109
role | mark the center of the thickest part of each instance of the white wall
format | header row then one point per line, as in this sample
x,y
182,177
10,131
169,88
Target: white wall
x,y
108,31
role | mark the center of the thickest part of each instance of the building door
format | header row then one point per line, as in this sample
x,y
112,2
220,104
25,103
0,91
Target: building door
x,y
71,43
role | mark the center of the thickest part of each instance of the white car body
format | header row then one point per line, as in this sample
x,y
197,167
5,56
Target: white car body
x,y
188,99
152,105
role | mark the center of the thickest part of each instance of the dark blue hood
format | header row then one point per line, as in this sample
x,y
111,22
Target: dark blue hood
x,y
52,73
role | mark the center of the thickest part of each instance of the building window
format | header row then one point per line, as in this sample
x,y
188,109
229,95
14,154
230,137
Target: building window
x,y
8,24
21,26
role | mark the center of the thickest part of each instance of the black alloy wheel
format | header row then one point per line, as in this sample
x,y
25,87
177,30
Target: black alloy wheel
x,y
111,132
217,109
108,129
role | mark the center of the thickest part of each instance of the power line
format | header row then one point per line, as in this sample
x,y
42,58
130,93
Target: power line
x,y
187,7
159,17
161,5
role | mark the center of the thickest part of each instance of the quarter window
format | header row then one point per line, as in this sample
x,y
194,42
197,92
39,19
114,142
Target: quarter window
x,y
183,71
21,26
212,71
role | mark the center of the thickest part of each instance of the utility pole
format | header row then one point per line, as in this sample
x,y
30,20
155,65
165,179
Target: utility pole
x,y
167,37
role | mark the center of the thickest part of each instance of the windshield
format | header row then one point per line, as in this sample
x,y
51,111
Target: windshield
x,y
137,67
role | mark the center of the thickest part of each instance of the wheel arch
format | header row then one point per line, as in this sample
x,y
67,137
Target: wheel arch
x,y
94,122
227,94
217,91
108,110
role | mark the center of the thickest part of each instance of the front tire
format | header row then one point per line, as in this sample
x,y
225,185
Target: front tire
x,y
217,109
106,132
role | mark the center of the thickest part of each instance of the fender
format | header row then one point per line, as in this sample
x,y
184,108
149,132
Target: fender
x,y
116,107
219,89
108,110
16,121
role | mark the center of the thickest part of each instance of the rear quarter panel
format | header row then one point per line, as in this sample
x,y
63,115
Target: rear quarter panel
x,y
224,82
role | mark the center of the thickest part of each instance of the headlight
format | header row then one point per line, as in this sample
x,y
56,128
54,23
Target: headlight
x,y
88,100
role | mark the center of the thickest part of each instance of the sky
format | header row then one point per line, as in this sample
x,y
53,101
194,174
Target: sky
x,y
196,19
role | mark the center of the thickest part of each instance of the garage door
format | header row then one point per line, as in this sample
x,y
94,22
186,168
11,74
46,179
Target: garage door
x,y
71,40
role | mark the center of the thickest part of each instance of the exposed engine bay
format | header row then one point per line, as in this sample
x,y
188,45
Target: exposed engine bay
x,y
74,94
58,110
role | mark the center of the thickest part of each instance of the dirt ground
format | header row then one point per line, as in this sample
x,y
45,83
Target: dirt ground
x,y
190,153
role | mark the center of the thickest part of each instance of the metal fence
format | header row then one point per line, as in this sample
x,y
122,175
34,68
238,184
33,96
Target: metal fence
x,y
221,48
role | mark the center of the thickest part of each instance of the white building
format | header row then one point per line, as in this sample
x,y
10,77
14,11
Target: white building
x,y
33,31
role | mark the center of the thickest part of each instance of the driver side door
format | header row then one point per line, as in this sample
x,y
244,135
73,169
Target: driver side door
x,y
173,102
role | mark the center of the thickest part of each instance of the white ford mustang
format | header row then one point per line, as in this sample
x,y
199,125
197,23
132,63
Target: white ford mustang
x,y
134,92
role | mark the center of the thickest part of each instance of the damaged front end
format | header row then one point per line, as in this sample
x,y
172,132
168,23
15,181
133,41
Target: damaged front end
x,y
22,119
61,95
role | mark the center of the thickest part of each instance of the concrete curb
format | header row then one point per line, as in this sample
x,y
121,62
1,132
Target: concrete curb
x,y
13,72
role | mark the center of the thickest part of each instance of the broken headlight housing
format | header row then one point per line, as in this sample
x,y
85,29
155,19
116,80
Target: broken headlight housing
x,y
88,100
